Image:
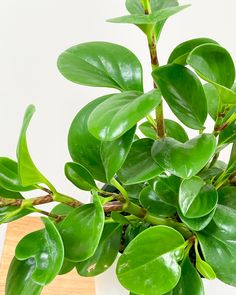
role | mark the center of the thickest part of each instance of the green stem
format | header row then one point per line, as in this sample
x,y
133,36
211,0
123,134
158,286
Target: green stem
x,y
61,198
120,188
147,6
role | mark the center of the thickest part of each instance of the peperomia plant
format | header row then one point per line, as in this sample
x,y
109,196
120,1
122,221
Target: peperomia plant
x,y
167,204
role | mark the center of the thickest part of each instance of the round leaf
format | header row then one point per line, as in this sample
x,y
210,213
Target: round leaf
x,y
80,176
121,112
197,224
83,147
217,242
167,188
190,281
114,153
153,272
81,230
105,253
184,94
181,52
154,205
214,64
227,197
102,64
139,165
184,159
197,199
46,247
213,100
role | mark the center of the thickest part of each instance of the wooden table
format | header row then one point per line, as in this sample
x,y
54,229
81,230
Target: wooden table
x,y
70,283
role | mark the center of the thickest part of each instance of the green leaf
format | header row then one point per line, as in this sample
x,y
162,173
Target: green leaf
x,y
181,52
80,176
139,165
114,153
46,247
167,188
172,129
28,172
153,272
228,135
134,6
84,148
9,178
213,100
157,5
153,18
184,159
81,230
154,205
227,197
134,191
197,224
121,112
205,269
102,64
213,171
217,242
196,198
119,218
190,281
105,253
184,94
19,278
133,230
214,64
67,266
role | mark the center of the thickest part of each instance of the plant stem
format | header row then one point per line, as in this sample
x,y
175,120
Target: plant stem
x,y
26,202
120,188
152,44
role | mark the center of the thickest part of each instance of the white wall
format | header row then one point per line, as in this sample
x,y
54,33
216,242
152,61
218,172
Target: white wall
x,y
32,35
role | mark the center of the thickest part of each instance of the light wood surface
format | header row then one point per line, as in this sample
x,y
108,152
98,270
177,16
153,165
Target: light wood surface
x,y
70,283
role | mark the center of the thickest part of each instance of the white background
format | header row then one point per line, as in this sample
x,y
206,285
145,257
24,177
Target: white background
x,y
33,34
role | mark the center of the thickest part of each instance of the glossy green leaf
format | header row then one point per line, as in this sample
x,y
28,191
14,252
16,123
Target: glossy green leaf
x,y
184,94
213,171
83,147
172,129
9,177
114,153
46,247
67,266
190,281
121,112
105,253
28,172
81,230
102,64
133,230
214,64
228,135
139,165
154,205
119,218
227,197
181,52
134,191
197,224
213,100
184,159
153,18
196,198
19,278
217,242
153,272
80,176
167,188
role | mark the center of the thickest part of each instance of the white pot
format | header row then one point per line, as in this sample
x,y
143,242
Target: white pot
x,y
108,284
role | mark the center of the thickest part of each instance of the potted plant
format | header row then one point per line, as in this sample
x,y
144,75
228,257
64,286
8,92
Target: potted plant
x,y
167,204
